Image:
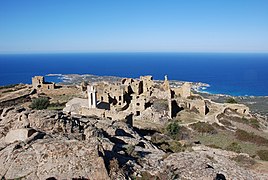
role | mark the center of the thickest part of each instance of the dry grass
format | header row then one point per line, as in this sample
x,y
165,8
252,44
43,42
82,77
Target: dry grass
x,y
204,128
251,137
263,154
222,140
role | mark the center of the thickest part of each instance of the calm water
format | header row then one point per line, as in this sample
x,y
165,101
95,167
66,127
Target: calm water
x,y
235,74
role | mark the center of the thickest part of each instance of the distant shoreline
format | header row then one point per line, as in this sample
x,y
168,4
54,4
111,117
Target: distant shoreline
x,y
257,104
199,87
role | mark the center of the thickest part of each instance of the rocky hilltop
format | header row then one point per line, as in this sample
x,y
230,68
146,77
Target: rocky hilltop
x,y
48,144
53,144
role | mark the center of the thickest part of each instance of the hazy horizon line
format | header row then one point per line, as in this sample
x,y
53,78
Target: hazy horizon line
x,y
103,52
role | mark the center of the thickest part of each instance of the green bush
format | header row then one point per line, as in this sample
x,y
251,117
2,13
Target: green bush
x,y
231,100
176,146
263,154
40,103
234,146
173,130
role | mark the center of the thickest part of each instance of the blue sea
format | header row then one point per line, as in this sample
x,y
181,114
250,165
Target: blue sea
x,y
226,73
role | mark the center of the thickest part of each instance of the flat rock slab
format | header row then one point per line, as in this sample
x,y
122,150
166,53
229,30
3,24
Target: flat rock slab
x,y
61,159
18,135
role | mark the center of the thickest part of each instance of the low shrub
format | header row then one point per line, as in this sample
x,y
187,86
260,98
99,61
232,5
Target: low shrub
x,y
225,122
172,146
40,103
254,123
176,146
251,137
166,142
231,100
263,154
217,126
173,129
204,128
234,146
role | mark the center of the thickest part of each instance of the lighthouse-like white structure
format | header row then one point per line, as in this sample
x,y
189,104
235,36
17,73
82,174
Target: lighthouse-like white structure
x,y
91,92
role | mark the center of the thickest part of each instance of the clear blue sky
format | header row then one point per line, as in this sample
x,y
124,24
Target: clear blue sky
x,y
133,25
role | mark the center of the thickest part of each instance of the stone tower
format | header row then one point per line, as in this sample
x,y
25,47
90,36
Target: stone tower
x,y
91,96
38,81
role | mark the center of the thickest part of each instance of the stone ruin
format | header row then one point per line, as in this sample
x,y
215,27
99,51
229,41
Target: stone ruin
x,y
39,83
143,100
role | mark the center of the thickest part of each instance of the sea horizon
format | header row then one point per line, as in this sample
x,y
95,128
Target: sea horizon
x,y
131,52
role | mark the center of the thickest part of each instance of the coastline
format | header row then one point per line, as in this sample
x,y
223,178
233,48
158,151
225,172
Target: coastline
x,y
198,87
78,78
257,104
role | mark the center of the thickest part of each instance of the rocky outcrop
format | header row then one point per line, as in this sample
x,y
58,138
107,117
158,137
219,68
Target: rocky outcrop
x,y
201,163
205,165
49,144
44,150
61,159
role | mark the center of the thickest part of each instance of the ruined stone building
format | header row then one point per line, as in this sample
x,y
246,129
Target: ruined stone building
x,y
38,82
143,100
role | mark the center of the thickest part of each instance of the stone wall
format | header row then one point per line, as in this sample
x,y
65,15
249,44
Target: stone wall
x,y
38,82
184,91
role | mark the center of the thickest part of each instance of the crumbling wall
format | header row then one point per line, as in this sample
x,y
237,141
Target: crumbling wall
x,y
157,93
137,105
184,91
147,84
48,86
239,108
38,82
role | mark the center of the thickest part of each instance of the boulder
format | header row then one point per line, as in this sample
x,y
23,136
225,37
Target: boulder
x,y
19,135
53,158
23,121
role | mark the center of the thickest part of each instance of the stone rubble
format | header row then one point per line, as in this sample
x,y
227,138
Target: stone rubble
x,y
41,144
